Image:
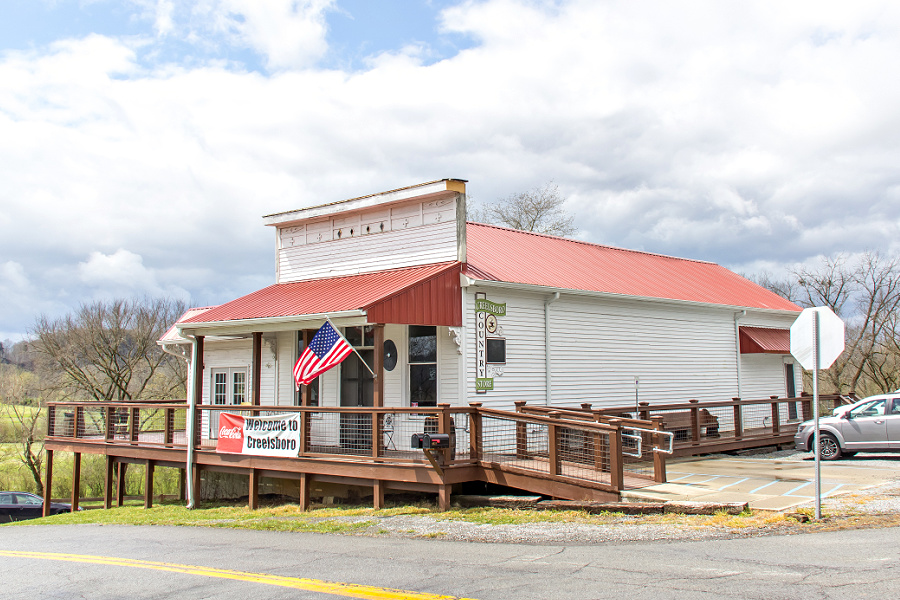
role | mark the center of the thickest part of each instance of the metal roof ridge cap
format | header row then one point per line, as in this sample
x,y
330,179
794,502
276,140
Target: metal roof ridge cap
x,y
270,320
594,293
596,245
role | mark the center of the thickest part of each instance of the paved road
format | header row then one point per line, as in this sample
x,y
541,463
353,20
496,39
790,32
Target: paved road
x,y
858,564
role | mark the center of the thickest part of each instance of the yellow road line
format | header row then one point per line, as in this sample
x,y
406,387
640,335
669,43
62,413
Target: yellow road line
x,y
348,590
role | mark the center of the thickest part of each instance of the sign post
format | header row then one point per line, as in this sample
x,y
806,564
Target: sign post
x,y
817,339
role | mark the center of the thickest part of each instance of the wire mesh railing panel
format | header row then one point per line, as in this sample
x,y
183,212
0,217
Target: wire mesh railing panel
x,y
756,418
637,452
462,443
92,423
514,443
340,433
583,454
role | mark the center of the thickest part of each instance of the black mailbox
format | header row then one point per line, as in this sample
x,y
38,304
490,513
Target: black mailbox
x,y
430,440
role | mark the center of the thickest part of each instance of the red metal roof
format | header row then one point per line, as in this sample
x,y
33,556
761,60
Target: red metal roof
x,y
763,340
397,293
500,254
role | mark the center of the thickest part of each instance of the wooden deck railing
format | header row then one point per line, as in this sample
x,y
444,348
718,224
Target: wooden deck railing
x,y
704,427
588,452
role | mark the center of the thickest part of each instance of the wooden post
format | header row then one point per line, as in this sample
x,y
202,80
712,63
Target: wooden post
x,y
76,480
197,485
659,459
378,495
304,491
377,438
254,490
616,466
643,411
134,425
520,404
444,497
806,407
148,484
305,425
121,467
79,420
51,421
182,488
776,416
444,426
695,422
553,444
257,368
475,431
738,419
601,447
168,434
48,482
110,416
108,482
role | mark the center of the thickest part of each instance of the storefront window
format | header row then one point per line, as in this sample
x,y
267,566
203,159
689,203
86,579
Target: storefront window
x,y
422,365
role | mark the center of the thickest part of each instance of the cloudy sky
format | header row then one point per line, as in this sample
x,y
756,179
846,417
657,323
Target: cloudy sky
x,y
142,140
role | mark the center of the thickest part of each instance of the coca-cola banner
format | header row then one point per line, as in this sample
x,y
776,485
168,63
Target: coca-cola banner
x,y
264,436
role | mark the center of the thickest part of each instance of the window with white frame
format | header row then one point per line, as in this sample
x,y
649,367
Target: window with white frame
x,y
229,388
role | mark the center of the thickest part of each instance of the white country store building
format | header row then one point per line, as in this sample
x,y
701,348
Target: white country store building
x,y
446,311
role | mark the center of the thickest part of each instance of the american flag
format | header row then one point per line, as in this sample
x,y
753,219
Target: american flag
x,y
325,350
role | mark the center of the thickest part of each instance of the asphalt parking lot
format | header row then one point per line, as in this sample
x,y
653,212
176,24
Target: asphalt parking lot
x,y
775,481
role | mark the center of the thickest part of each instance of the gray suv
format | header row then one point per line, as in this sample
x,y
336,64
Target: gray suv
x,y
870,425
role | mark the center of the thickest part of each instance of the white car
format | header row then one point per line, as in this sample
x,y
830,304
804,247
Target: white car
x,y
870,425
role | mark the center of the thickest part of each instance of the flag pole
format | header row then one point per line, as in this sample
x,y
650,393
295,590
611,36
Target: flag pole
x,y
352,348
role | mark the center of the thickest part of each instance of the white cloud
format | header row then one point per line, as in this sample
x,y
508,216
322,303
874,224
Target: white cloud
x,y
740,133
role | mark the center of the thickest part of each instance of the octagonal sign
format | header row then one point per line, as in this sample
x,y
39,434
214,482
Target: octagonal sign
x,y
831,337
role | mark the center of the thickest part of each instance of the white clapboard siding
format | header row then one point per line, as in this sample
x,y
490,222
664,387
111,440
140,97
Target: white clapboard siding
x,y
287,354
448,368
523,327
223,355
762,376
394,381
368,253
599,347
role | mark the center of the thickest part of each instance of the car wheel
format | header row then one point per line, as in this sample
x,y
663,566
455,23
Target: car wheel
x,y
829,449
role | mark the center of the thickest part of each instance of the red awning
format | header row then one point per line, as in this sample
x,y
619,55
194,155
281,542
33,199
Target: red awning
x,y
763,340
426,295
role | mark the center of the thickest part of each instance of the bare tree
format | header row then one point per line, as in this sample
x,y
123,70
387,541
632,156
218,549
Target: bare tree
x,y
24,412
108,351
539,210
865,293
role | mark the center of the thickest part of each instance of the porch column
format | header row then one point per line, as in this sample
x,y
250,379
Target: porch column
x,y
378,367
197,383
257,367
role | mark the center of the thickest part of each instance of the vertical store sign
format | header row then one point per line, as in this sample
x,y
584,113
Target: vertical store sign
x,y
486,313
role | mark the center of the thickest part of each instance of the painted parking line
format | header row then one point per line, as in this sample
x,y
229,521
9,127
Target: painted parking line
x,y
739,481
762,487
347,590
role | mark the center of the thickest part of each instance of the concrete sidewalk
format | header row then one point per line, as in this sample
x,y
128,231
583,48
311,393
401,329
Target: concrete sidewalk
x,y
766,483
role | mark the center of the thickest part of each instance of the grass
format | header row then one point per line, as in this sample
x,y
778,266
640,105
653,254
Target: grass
x,y
367,521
